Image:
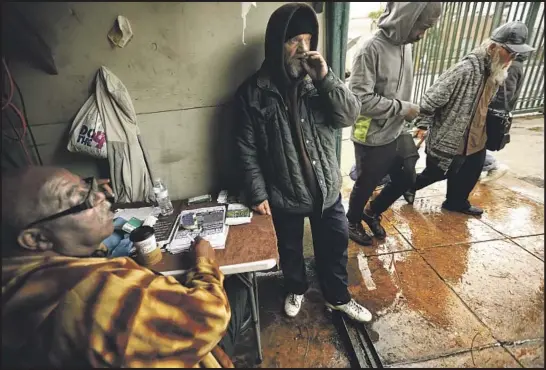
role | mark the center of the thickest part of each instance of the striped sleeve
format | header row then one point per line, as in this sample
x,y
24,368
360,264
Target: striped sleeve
x,y
133,318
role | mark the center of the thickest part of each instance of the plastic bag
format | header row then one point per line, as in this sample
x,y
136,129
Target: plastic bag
x,y
87,134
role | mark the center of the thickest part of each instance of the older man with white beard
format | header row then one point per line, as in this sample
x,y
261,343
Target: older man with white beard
x,y
454,109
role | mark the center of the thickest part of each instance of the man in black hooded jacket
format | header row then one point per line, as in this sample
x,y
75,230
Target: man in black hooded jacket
x,y
287,114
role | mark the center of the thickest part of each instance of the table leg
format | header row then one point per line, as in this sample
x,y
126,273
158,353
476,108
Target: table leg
x,y
256,317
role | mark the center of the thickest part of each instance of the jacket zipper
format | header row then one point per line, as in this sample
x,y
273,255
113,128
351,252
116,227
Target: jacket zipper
x,y
309,156
401,70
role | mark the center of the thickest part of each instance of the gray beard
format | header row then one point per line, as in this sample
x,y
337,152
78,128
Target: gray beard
x,y
294,69
498,71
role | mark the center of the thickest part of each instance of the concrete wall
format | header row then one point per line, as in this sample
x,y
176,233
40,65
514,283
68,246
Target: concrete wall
x,y
181,68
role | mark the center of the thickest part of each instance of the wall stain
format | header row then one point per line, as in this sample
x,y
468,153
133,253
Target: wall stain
x,y
169,156
75,15
168,52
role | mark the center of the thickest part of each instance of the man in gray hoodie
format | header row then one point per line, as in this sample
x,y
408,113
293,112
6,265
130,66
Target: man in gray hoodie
x,y
382,78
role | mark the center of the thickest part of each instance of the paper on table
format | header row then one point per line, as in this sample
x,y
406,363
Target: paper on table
x,y
183,239
140,213
211,227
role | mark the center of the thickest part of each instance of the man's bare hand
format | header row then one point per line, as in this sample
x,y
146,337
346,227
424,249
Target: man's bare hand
x,y
202,248
104,184
315,65
412,113
263,208
420,134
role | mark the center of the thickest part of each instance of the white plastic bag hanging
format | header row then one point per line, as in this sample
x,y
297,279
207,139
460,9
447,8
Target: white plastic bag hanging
x,y
87,132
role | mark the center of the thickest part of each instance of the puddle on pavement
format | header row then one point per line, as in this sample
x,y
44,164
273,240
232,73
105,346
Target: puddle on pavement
x,y
509,212
502,283
415,313
533,244
426,224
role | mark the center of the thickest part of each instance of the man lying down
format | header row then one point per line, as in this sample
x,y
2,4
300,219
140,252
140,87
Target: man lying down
x,y
63,308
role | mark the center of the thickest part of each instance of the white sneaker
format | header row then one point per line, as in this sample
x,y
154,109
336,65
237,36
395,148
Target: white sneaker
x,y
353,310
494,175
292,304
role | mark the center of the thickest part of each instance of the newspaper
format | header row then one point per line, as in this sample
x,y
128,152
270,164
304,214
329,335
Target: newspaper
x,y
208,223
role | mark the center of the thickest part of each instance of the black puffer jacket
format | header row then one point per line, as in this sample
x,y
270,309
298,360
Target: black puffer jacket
x,y
267,155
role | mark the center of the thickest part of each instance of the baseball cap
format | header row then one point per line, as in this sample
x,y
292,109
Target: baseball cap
x,y
513,35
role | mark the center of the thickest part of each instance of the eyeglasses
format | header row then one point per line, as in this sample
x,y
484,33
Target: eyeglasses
x,y
512,54
85,205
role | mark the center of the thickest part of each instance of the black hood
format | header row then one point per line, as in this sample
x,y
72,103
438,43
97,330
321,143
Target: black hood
x,y
275,35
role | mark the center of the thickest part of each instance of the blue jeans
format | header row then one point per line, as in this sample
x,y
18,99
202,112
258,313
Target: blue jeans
x,y
490,162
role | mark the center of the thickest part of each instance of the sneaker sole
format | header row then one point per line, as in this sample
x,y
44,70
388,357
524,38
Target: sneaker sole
x,y
288,315
331,308
296,314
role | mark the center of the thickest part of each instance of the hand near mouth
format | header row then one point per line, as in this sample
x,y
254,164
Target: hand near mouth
x,y
315,65
104,183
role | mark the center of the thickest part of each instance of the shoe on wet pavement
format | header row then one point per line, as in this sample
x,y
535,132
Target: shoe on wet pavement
x,y
292,304
471,210
374,223
353,310
358,234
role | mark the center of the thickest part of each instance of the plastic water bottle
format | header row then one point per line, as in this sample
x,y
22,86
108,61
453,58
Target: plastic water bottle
x,y
162,198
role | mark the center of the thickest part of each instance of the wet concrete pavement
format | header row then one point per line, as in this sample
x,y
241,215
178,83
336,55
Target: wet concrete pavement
x,y
445,289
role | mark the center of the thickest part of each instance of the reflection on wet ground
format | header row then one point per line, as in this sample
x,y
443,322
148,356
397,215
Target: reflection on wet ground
x,y
508,212
501,283
445,289
415,313
532,244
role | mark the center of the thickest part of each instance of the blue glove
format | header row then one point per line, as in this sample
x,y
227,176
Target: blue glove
x,y
118,243
123,249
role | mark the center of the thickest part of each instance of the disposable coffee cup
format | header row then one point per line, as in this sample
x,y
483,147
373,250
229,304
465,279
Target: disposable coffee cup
x,y
143,238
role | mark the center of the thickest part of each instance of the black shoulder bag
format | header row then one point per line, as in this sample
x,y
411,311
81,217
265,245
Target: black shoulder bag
x,y
498,123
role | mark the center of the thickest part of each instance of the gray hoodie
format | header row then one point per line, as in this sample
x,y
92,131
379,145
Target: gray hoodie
x,y
382,73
